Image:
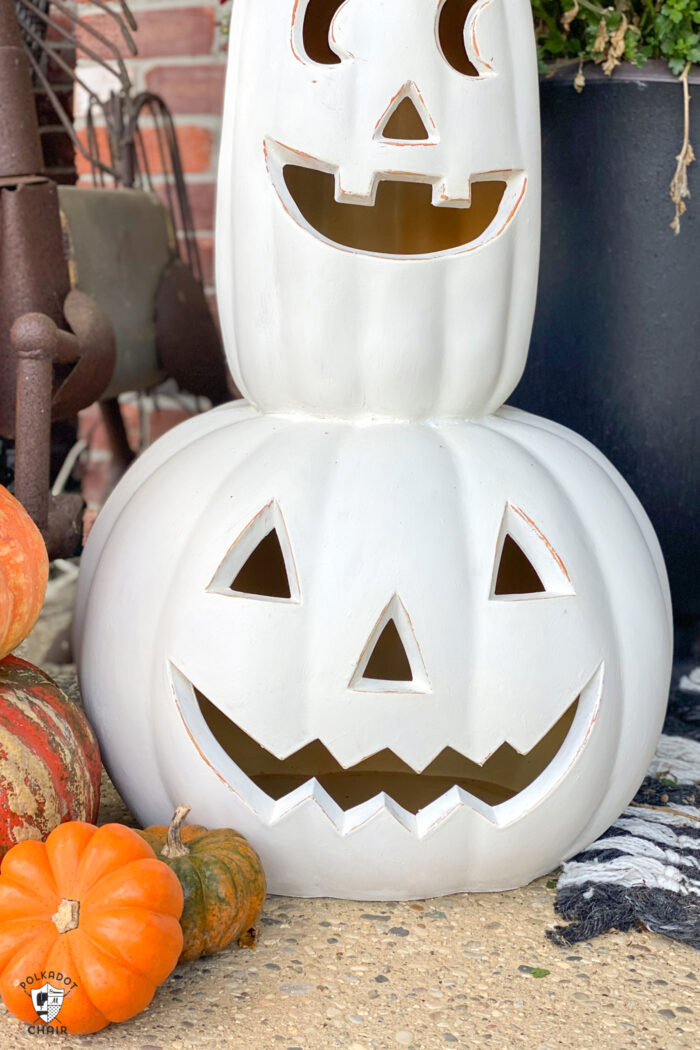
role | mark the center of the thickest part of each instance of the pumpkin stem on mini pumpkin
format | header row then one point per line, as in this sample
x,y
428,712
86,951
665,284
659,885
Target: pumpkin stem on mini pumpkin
x,y
67,916
174,846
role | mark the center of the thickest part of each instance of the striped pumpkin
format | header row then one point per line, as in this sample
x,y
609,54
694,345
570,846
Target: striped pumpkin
x,y
50,764
222,879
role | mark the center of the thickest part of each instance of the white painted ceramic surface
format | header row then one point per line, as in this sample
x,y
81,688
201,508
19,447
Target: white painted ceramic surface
x,y
371,513
312,327
363,370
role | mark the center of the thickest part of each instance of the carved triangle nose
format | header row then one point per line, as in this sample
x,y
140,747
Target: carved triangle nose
x,y
388,660
406,119
391,660
405,123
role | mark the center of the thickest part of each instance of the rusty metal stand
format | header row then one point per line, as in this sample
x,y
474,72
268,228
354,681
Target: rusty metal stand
x,y
56,346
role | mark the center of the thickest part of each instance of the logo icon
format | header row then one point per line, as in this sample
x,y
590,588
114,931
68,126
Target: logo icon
x,y
48,1001
47,998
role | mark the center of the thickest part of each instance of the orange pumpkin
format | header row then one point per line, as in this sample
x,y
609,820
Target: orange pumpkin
x,y
94,913
24,570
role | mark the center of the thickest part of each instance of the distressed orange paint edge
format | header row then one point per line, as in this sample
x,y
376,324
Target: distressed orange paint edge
x,y
526,518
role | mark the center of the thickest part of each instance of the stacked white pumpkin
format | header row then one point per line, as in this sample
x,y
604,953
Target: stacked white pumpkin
x,y
406,640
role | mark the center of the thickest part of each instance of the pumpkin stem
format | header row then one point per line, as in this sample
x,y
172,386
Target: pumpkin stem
x,y
67,916
174,846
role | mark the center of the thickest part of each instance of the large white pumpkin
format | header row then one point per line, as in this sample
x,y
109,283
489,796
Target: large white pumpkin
x,y
379,204
403,659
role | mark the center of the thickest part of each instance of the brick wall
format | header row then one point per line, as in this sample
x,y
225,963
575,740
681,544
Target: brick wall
x,y
182,57
145,419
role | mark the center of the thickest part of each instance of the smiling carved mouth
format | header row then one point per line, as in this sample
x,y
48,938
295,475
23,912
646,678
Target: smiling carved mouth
x,y
504,775
407,217
403,221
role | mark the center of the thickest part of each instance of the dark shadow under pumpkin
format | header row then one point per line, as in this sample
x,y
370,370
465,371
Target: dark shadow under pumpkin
x,y
505,774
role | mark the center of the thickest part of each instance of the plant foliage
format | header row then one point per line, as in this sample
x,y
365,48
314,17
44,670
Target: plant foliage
x,y
578,31
631,30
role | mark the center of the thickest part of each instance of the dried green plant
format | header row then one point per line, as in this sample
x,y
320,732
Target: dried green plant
x,y
631,31
580,31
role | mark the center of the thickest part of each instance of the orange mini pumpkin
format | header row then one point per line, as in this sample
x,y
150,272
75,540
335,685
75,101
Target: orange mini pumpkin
x,y
24,570
93,913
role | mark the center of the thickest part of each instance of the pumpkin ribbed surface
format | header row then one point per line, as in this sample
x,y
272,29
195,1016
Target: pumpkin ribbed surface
x,y
223,883
50,764
24,570
95,906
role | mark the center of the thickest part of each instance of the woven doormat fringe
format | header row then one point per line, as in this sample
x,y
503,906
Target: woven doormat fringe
x,y
645,871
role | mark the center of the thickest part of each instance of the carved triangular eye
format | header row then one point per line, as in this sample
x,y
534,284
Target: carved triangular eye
x,y
264,572
526,563
388,661
260,563
516,574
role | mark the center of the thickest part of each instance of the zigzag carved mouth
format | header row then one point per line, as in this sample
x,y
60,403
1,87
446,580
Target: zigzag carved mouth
x,y
503,776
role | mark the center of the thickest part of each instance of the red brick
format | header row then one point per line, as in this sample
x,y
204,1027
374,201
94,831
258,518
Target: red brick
x,y
92,429
53,29
81,163
131,414
88,420
178,31
163,419
189,89
206,255
202,198
97,479
213,305
96,473
195,149
89,519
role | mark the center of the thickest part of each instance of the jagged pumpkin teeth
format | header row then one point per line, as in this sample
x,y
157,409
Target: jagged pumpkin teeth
x,y
503,775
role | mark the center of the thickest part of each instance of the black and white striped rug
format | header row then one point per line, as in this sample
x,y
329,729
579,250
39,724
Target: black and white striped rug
x,y
645,870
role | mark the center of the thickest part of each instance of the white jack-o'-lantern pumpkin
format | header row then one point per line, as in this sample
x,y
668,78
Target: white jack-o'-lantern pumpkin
x,y
405,656
403,659
379,203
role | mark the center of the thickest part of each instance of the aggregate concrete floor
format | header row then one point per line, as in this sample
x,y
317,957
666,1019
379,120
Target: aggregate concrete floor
x,y
454,972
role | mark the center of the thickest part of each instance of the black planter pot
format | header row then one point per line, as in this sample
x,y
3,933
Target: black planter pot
x,y
616,345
